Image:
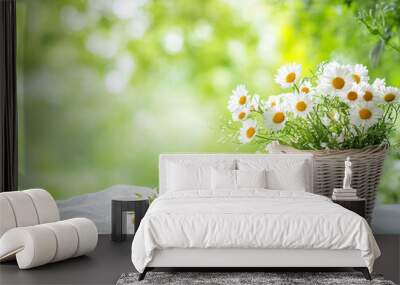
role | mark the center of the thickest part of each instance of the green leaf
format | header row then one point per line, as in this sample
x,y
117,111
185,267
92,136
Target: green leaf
x,y
376,53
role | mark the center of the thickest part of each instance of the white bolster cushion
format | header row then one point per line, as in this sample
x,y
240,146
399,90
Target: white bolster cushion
x,y
67,239
87,235
26,208
7,218
33,246
46,207
22,207
37,245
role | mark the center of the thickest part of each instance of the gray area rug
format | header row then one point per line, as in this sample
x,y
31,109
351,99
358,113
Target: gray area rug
x,y
236,278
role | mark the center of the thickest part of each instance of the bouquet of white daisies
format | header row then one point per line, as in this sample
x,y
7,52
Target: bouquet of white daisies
x,y
335,108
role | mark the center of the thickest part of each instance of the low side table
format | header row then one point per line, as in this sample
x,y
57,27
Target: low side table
x,y
118,207
356,205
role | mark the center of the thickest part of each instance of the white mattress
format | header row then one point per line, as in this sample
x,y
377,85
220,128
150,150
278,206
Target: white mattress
x,y
253,219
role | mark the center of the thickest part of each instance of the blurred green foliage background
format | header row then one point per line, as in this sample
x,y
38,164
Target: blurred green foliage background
x,y
104,86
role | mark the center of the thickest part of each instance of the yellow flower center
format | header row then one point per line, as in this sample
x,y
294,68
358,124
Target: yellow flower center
x,y
368,96
389,97
278,118
301,106
273,104
356,78
242,100
291,77
338,82
365,114
241,115
305,89
352,96
250,132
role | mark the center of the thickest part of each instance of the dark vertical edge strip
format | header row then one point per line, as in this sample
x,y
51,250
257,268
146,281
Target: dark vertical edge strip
x,y
8,100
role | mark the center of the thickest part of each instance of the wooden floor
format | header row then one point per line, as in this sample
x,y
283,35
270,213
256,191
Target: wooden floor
x,y
110,260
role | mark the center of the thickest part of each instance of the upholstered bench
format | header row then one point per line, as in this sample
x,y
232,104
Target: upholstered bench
x,y
31,232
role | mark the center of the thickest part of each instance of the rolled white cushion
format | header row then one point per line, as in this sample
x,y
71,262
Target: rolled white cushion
x,y
7,218
37,245
23,208
67,239
33,246
26,208
46,207
87,234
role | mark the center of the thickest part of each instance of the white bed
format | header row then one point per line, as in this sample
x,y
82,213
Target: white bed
x,y
248,227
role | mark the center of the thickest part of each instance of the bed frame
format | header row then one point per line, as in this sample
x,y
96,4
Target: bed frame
x,y
236,259
249,259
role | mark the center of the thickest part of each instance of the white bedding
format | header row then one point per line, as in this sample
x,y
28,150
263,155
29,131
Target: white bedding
x,y
250,219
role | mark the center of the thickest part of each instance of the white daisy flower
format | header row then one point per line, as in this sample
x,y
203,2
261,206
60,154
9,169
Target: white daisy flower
x,y
315,97
324,145
240,114
340,138
305,87
326,121
359,73
248,131
335,79
353,94
255,102
301,104
272,102
288,75
368,93
365,115
285,96
379,84
353,130
240,98
275,118
390,94
285,99
336,116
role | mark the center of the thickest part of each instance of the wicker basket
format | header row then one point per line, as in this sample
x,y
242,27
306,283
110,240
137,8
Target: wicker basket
x,y
367,164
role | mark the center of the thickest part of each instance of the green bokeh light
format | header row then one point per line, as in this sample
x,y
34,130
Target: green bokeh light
x,y
105,86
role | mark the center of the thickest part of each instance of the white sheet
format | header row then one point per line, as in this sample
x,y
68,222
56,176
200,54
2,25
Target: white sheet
x,y
250,219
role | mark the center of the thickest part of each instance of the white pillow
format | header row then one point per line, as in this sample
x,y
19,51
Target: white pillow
x,y
251,178
227,179
291,180
188,177
188,174
282,174
223,179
